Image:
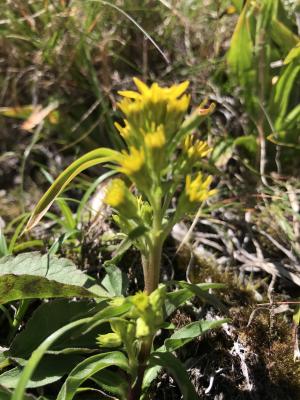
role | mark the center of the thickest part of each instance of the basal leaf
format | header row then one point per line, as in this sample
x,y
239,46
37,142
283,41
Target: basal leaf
x,y
32,275
88,368
51,369
40,326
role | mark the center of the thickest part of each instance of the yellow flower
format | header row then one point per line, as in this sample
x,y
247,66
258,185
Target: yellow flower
x,y
132,162
124,130
115,193
156,139
195,149
154,105
119,197
197,190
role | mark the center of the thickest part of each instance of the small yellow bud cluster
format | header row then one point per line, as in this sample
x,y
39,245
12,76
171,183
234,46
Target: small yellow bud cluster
x,y
143,317
132,162
155,139
197,190
195,149
120,198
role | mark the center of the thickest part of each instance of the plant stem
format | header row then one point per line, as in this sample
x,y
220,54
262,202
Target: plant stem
x,y
135,391
24,304
153,266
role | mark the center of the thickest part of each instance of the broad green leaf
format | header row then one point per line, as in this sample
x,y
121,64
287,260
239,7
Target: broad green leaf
x,y
108,313
94,157
296,316
51,369
177,370
238,4
189,332
88,368
37,355
112,383
115,281
32,275
5,394
21,287
176,298
40,326
249,143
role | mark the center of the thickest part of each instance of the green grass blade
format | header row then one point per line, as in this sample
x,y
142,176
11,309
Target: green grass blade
x,y
90,159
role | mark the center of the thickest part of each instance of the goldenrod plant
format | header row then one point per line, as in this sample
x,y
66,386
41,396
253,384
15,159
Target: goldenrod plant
x,y
162,157
161,162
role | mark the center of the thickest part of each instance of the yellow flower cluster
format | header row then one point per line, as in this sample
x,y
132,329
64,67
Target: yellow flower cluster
x,y
195,149
152,105
155,139
131,163
120,198
197,190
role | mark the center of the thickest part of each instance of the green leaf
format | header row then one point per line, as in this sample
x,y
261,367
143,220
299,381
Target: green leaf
x,y
98,156
199,291
283,90
177,370
40,326
5,394
115,281
176,298
38,354
240,54
293,54
189,332
51,369
283,36
88,368
112,383
32,275
3,245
